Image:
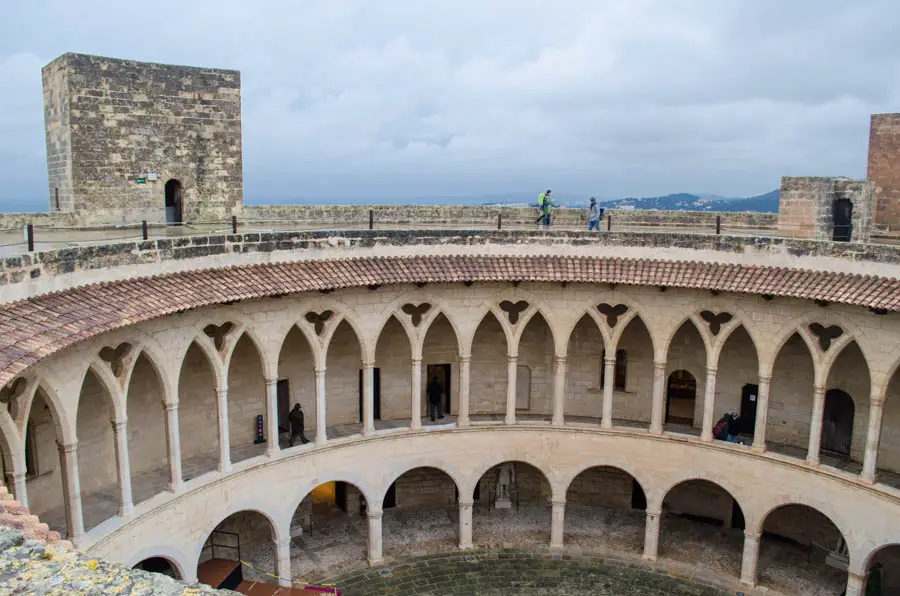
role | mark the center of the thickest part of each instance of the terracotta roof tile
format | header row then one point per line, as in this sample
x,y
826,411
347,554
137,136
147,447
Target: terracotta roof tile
x,y
37,327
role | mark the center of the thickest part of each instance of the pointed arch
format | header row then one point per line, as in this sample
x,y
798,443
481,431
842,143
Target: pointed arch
x,y
393,357
296,373
688,351
247,375
96,447
489,356
791,393
584,368
197,382
144,402
536,350
737,378
344,357
440,351
42,433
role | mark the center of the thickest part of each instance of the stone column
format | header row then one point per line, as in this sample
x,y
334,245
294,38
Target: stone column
x,y
750,559
762,414
17,483
709,404
173,448
375,556
224,439
557,524
272,446
873,439
465,524
511,370
651,535
283,562
321,435
123,467
815,426
68,456
368,413
856,584
559,392
416,395
464,367
659,390
609,374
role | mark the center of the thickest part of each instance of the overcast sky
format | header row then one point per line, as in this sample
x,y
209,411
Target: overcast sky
x,y
462,97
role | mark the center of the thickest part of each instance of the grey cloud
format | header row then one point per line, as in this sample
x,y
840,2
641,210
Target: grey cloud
x,y
407,98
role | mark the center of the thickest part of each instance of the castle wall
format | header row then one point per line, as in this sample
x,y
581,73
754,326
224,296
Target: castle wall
x,y
806,207
111,122
884,169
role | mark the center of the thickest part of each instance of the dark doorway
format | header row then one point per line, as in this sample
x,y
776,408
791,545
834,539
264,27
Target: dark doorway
x,y
340,495
376,394
749,395
843,220
442,372
174,202
283,390
157,565
737,516
837,422
638,498
681,397
390,499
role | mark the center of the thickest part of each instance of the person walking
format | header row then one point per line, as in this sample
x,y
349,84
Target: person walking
x,y
296,419
595,214
542,198
547,209
435,393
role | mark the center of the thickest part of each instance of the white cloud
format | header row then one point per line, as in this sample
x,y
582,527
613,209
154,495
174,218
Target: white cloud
x,y
402,97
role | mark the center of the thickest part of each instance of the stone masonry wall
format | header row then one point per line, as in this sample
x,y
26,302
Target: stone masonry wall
x,y
884,169
124,120
806,207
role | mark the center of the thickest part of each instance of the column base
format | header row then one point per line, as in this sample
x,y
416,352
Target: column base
x,y
225,468
126,511
867,478
376,562
321,439
648,558
557,547
176,488
466,547
749,584
758,448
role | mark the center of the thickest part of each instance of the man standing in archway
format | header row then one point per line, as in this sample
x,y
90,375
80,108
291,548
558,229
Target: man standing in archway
x,y
296,418
435,392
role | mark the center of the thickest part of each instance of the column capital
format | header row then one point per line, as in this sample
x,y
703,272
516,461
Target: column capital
x,y
764,380
375,514
222,390
465,358
558,502
876,401
561,358
271,381
170,406
67,447
283,542
469,504
660,365
368,364
119,424
320,370
416,361
653,513
819,389
16,476
712,370
512,358
752,535
609,360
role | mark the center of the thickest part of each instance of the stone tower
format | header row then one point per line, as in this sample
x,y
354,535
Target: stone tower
x,y
128,141
884,169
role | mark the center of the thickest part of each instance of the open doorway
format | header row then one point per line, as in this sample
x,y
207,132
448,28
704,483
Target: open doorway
x,y
843,220
376,394
837,422
681,397
748,409
174,202
442,372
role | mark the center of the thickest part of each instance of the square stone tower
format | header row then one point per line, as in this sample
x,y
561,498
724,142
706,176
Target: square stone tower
x,y
820,208
884,169
128,141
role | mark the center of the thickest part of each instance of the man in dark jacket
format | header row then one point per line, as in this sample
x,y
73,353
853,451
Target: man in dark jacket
x,y
297,419
435,392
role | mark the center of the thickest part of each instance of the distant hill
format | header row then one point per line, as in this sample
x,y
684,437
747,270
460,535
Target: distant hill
x,y
767,203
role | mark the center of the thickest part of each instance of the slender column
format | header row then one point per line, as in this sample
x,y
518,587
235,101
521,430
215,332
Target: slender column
x,y
750,559
465,524
464,367
856,584
272,446
656,409
321,436
511,368
416,395
609,372
557,524
173,448
873,439
762,414
17,484
120,432
559,392
224,439
375,537
283,562
368,398
68,455
815,426
651,535
709,404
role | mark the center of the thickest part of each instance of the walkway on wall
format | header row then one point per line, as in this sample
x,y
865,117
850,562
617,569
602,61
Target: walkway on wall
x,y
102,505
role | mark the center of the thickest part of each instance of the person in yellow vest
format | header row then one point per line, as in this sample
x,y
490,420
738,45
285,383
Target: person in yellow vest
x,y
545,202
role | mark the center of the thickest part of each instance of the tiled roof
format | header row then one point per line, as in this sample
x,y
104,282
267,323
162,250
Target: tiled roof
x,y
35,328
